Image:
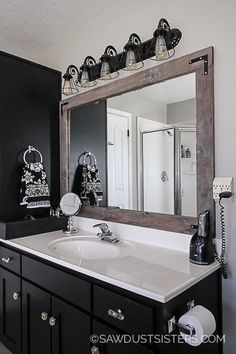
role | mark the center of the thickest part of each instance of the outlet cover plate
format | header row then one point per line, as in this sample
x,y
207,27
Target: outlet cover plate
x,y
222,184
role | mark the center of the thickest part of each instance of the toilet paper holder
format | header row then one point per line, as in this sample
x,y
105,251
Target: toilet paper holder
x,y
188,329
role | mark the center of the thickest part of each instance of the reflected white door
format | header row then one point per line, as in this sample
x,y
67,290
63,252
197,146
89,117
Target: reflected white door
x,y
158,171
118,158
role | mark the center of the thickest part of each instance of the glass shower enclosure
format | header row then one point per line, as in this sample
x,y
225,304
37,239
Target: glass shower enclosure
x,y
169,171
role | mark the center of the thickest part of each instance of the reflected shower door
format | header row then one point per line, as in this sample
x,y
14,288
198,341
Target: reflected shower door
x,y
158,171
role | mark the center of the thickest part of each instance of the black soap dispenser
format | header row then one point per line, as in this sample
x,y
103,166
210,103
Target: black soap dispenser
x,y
201,245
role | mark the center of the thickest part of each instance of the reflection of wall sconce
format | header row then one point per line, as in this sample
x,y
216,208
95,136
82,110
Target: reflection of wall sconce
x,y
160,47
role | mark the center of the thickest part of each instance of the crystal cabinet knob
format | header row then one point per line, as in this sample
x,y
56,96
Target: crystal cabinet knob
x,y
116,314
15,296
52,321
94,350
6,259
44,316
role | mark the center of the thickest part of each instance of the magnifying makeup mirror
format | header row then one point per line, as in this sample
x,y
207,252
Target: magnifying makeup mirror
x,y
70,205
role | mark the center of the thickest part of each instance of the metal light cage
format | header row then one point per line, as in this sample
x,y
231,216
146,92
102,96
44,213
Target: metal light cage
x,y
110,61
135,46
70,81
170,36
88,69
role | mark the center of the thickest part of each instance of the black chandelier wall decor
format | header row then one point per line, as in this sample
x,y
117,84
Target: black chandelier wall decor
x,y
160,47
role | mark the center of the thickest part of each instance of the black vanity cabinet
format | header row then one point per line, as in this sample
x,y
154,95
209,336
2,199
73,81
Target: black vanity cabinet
x,y
46,308
10,300
61,326
10,310
112,347
72,334
52,326
127,316
36,332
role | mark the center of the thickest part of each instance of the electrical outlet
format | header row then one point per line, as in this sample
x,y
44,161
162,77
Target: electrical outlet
x,y
222,184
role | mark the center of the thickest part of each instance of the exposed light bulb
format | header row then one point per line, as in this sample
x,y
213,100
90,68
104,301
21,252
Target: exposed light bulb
x,y
67,90
130,62
105,71
84,78
161,49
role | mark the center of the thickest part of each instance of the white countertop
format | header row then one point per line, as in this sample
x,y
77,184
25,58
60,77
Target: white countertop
x,y
155,272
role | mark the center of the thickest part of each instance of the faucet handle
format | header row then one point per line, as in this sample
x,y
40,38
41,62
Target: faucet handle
x,y
103,227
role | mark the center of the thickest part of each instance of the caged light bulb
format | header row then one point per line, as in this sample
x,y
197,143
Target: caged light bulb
x,y
131,63
161,49
105,71
67,90
84,78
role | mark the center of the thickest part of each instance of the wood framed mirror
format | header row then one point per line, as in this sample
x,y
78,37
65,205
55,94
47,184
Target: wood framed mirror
x,y
200,64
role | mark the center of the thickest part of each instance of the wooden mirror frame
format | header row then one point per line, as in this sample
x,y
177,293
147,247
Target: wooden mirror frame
x,y
200,63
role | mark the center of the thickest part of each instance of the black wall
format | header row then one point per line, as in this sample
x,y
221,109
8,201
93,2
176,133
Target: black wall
x,y
88,130
29,103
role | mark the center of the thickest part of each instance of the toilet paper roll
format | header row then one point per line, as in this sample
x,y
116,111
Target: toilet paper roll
x,y
202,320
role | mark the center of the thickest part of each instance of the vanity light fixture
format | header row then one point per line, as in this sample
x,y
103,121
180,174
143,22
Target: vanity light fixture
x,y
69,84
160,47
133,53
86,76
164,41
109,64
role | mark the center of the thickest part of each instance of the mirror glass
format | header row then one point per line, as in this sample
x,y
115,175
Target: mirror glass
x,y
137,151
70,204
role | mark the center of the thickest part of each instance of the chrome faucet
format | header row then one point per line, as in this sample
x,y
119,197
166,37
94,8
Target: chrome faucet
x,y
106,234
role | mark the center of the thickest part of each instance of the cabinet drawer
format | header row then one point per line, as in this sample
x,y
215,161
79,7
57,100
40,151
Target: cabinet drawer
x,y
67,286
112,341
10,259
134,317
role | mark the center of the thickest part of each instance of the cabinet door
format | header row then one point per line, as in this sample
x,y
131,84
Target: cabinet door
x,y
36,334
114,343
70,330
10,311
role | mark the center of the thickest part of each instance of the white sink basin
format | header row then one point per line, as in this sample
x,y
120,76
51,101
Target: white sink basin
x,y
90,248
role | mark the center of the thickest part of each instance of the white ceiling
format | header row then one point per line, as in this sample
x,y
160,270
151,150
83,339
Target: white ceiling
x,y
35,24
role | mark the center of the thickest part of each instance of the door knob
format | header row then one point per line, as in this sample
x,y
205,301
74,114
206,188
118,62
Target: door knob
x,y
16,296
94,350
52,321
44,316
